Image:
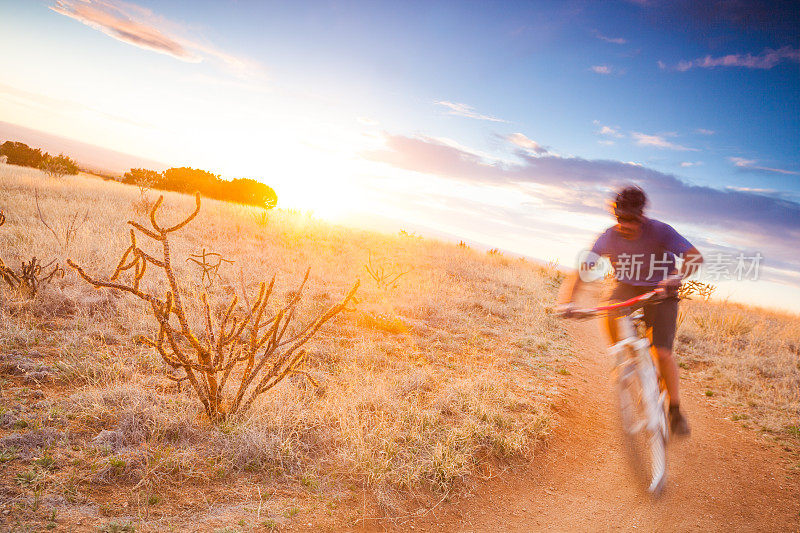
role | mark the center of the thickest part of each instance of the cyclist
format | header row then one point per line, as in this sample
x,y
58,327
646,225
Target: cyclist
x,y
642,251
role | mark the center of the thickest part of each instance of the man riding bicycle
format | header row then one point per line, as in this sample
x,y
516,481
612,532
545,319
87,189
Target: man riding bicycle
x,y
642,251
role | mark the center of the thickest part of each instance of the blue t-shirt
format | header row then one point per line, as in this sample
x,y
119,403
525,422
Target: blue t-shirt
x,y
646,260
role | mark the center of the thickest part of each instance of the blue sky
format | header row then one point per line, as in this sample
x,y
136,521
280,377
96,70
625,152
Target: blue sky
x,y
503,123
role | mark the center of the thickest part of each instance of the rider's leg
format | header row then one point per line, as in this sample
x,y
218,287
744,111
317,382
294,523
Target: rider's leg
x,y
620,293
611,327
669,371
663,317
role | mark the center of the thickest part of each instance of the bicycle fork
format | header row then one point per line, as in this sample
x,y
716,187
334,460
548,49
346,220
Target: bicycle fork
x,y
644,366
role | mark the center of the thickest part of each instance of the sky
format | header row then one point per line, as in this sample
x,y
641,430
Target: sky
x,y
504,124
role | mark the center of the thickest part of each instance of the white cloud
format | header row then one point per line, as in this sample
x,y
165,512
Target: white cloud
x,y
524,142
614,40
463,110
750,164
140,27
754,189
658,141
601,69
760,215
611,132
687,164
765,60
703,131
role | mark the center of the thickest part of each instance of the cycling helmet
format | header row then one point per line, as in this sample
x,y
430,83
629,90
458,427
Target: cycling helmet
x,y
629,202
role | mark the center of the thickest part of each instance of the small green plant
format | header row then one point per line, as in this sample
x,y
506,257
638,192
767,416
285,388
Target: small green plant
x,y
154,499
46,462
8,454
291,512
51,522
117,464
27,478
269,524
309,481
709,393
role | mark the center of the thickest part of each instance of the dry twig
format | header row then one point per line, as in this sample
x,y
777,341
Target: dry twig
x,y
209,262
385,277
74,223
691,287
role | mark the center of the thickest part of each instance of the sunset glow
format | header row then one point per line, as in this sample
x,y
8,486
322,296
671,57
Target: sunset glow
x,y
504,127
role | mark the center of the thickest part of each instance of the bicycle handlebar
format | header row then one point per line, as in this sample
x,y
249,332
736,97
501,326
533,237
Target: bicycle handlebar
x,y
594,311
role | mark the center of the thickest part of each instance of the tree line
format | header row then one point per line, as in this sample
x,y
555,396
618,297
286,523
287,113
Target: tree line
x,y
182,179
185,179
21,154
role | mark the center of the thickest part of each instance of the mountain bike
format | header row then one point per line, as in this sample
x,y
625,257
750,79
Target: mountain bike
x,y
641,394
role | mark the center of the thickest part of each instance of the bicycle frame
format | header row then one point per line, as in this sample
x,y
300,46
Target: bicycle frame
x,y
632,353
643,362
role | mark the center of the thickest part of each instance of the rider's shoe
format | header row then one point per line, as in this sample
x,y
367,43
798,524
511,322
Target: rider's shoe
x,y
678,426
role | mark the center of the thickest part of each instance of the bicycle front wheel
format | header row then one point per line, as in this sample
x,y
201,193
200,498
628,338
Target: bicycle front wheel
x,y
643,419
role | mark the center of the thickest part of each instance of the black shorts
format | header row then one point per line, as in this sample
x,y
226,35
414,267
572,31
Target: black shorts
x,y
661,317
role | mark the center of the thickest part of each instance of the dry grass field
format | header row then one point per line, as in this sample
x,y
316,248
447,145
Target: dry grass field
x,y
422,386
747,358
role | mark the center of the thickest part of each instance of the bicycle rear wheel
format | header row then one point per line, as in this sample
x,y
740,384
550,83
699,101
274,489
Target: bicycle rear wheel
x,y
643,418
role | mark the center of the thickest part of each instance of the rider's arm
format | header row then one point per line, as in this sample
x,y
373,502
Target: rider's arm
x,y
570,288
573,284
692,260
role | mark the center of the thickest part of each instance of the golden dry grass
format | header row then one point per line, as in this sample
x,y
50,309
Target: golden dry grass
x,y
749,358
421,387
424,386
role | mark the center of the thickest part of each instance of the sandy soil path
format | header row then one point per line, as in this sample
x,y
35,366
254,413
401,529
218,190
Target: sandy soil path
x,y
722,478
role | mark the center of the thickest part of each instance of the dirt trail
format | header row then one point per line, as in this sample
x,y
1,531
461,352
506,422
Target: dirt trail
x,y
722,478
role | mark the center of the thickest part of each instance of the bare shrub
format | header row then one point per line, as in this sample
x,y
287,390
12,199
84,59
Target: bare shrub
x,y
67,231
30,276
692,287
385,275
236,343
142,205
